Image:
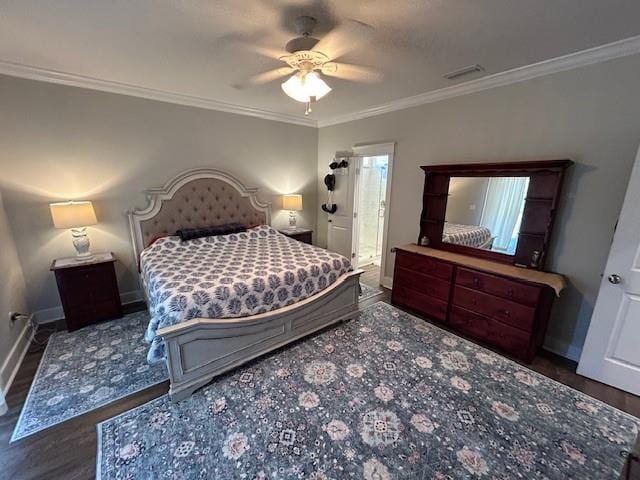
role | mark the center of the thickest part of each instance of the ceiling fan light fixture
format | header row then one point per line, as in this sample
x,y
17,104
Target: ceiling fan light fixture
x,y
302,87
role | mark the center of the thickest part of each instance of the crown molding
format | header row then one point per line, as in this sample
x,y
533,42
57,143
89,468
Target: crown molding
x,y
602,53
53,76
609,51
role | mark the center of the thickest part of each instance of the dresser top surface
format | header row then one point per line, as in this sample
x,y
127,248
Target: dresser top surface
x,y
553,280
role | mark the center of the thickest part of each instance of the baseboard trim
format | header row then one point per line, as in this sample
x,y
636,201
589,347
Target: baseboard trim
x,y
17,352
562,348
53,314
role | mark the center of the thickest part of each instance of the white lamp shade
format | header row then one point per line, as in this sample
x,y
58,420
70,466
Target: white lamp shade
x,y
72,214
302,87
292,202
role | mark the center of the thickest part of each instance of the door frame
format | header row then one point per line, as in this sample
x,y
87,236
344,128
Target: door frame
x,y
372,150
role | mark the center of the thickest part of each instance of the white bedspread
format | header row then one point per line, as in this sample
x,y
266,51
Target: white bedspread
x,y
230,276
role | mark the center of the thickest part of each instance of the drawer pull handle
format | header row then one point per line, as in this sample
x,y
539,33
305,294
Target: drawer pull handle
x,y
476,281
505,312
510,292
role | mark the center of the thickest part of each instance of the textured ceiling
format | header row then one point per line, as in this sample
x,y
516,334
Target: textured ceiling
x,y
201,48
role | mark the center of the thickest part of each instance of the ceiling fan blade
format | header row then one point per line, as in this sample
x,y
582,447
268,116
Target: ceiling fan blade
x,y
268,52
265,77
344,38
355,73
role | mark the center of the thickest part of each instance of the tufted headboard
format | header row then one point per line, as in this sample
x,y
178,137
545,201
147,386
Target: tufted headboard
x,y
195,198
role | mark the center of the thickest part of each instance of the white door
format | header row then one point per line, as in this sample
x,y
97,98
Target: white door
x,y
340,235
611,352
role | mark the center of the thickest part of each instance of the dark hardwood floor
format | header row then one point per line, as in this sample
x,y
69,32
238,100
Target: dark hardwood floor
x,y
371,275
68,451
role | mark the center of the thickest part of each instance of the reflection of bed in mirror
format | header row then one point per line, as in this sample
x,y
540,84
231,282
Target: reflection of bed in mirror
x,y
468,235
485,212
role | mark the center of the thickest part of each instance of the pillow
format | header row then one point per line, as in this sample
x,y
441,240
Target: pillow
x,y
211,231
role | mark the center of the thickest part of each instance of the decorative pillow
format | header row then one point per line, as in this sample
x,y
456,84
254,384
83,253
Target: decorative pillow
x,y
211,231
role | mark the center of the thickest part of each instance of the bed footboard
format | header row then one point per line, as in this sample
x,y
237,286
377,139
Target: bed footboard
x,y
203,348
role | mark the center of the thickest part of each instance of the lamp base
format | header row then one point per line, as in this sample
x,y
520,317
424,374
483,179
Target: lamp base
x,y
81,243
292,220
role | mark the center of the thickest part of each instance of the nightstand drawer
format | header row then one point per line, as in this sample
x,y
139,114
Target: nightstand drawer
x,y
300,234
87,284
88,291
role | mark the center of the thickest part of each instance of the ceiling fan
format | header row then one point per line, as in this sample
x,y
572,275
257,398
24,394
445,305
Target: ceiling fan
x,y
308,58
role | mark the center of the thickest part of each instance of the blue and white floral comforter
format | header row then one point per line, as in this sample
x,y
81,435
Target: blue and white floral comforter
x,y
230,276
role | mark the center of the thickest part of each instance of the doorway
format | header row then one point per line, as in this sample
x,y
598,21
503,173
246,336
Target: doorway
x,y
358,227
372,187
372,191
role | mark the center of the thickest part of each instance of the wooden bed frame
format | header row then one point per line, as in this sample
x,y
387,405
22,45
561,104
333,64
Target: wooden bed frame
x,y
202,348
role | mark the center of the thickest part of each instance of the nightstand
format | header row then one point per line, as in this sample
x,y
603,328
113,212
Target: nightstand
x,y
301,234
88,289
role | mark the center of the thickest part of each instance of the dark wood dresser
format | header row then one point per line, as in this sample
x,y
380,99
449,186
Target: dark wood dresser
x,y
88,289
502,305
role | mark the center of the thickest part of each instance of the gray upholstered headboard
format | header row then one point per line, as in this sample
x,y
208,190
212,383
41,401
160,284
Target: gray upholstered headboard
x,y
195,198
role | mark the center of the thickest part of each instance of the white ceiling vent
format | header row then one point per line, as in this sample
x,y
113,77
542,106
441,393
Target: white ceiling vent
x,y
464,71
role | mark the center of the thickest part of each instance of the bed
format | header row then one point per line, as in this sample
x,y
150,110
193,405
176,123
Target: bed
x,y
467,235
218,302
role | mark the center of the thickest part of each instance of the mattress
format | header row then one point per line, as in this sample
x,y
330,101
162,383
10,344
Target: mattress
x,y
467,235
230,276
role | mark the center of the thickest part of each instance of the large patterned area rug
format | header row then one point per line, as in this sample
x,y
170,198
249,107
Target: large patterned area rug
x,y
385,396
367,291
86,369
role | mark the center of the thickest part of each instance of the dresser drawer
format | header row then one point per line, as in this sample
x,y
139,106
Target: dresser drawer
x,y
469,323
422,264
506,311
499,286
510,339
429,306
427,284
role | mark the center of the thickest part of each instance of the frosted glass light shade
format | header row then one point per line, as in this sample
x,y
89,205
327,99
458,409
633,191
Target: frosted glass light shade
x,y
302,87
72,214
292,202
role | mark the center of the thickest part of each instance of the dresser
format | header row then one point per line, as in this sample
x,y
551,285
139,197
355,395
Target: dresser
x,y
501,305
88,289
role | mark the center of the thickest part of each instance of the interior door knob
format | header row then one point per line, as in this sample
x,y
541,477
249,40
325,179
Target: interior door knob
x,y
615,279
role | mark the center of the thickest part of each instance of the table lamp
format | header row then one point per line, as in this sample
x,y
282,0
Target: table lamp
x,y
76,216
293,203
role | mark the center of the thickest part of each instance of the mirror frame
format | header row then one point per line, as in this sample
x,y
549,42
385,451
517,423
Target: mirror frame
x,y
540,208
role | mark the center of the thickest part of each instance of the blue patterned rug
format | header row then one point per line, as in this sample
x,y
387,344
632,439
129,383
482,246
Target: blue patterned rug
x,y
87,369
385,396
367,291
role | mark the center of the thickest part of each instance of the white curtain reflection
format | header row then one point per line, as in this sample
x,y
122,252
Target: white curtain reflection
x,y
502,212
3,404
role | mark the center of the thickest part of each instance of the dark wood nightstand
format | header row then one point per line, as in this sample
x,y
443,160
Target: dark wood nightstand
x,y
88,289
301,234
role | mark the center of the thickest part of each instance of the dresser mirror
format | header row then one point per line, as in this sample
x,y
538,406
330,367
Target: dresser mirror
x,y
497,211
485,212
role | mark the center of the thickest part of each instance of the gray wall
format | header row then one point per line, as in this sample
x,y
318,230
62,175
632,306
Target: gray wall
x,y
591,115
465,193
59,143
12,298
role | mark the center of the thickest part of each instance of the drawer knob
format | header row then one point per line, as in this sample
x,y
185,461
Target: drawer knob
x,y
476,281
510,292
505,312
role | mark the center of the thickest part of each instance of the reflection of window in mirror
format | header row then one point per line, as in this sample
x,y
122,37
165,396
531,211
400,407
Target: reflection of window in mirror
x,y
485,212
